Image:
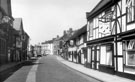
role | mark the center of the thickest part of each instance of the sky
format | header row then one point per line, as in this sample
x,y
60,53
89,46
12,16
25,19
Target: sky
x,y
45,19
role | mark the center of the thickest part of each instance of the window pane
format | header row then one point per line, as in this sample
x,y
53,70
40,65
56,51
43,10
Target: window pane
x,y
92,55
119,49
103,55
130,56
123,6
130,10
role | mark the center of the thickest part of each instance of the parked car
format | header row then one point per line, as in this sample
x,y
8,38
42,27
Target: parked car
x,y
39,55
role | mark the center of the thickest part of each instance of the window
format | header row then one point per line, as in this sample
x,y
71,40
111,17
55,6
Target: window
x,y
129,56
91,28
130,53
130,10
106,54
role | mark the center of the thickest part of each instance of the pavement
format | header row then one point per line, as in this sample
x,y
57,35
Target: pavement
x,y
105,77
11,66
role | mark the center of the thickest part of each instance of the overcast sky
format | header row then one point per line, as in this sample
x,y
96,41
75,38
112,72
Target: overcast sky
x,y
45,19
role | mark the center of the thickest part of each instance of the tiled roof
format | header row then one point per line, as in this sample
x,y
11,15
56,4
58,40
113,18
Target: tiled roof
x,y
46,42
101,4
79,32
3,11
67,36
17,23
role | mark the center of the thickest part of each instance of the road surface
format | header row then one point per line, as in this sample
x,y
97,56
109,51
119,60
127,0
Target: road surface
x,y
48,69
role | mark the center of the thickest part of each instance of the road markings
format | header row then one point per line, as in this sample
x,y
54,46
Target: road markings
x,y
31,77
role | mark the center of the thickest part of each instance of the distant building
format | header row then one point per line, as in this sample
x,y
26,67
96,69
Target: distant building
x,y
38,50
56,48
48,47
63,42
22,40
77,46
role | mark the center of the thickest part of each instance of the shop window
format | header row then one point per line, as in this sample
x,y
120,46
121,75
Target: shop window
x,y
119,49
109,54
106,55
89,55
130,10
120,64
103,55
130,57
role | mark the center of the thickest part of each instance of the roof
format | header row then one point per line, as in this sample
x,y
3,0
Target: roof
x,y
67,36
79,32
100,5
27,34
3,11
46,42
17,23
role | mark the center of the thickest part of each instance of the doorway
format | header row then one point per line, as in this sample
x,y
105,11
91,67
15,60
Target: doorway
x,y
95,54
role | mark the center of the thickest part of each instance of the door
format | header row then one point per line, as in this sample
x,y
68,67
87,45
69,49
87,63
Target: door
x,y
95,57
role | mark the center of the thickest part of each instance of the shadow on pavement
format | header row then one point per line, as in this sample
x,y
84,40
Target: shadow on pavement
x,y
29,63
8,72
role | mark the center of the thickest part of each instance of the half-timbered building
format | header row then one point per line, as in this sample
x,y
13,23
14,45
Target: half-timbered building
x,y
111,37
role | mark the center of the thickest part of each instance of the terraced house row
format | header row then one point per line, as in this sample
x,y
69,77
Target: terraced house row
x,y
107,42
13,39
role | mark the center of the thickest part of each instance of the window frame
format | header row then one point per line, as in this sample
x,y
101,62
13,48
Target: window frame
x,y
132,7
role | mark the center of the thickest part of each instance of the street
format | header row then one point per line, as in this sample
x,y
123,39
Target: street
x,y
48,69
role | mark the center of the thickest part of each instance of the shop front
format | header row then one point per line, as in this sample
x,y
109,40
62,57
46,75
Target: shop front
x,y
101,54
107,58
128,55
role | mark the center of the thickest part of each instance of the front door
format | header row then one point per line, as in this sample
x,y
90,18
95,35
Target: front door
x,y
95,57
79,57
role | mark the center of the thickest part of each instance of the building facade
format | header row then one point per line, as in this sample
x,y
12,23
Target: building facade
x,y
38,50
6,32
48,47
77,46
56,48
64,42
22,40
110,37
